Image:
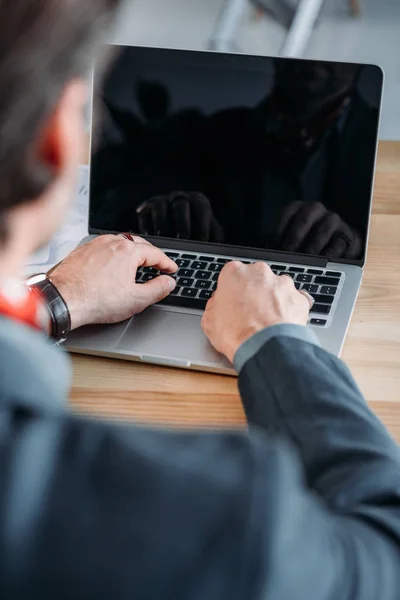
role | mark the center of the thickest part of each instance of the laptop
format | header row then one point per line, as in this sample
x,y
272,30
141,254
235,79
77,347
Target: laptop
x,y
214,157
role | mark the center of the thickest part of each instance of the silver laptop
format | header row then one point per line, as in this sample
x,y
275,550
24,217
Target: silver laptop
x,y
216,157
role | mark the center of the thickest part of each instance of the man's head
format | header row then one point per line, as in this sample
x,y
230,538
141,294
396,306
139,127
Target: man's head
x,y
303,88
46,49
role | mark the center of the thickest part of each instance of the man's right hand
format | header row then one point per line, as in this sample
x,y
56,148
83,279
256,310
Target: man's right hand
x,y
249,299
97,280
183,215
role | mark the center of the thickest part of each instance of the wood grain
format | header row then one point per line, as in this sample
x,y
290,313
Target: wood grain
x,y
122,390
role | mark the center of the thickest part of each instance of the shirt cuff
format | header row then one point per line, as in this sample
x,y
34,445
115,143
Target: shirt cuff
x,y
251,346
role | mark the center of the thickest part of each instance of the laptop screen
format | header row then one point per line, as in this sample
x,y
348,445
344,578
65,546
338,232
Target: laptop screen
x,y
268,153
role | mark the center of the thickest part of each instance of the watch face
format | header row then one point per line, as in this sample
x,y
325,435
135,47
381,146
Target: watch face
x,y
35,279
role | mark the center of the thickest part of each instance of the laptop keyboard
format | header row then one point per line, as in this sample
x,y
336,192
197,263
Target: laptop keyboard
x,y
197,279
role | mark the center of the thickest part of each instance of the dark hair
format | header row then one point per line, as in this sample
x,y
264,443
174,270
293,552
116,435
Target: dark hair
x,y
43,44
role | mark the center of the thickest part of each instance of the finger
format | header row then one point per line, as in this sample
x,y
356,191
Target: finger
x,y
300,226
135,238
336,248
144,221
202,216
286,216
216,232
205,321
181,215
146,255
285,278
231,269
307,303
139,240
159,216
321,234
308,297
153,291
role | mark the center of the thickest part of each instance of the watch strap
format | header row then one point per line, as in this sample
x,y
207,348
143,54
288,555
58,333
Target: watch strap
x,y
57,307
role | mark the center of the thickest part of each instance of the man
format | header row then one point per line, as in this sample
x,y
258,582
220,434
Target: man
x,y
305,505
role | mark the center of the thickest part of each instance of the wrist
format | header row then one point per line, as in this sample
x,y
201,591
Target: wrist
x,y
71,299
247,333
252,346
59,323
252,330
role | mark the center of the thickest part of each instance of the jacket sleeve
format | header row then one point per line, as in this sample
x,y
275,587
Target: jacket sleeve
x,y
337,514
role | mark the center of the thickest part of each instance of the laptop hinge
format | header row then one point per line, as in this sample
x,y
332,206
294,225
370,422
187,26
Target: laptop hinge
x,y
234,251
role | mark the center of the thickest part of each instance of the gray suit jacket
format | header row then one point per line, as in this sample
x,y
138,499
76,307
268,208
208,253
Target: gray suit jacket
x,y
304,506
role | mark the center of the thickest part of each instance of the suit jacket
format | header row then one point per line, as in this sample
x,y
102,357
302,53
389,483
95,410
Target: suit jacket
x,y
304,505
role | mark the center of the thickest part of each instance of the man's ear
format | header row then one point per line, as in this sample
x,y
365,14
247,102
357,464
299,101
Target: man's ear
x,y
62,139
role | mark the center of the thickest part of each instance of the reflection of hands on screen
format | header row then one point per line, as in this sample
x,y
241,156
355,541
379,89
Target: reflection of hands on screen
x,y
311,228
184,215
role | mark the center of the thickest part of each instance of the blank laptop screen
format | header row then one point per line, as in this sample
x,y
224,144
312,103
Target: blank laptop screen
x,y
268,153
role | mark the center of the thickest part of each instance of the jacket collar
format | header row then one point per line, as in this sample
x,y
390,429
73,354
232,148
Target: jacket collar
x,y
34,374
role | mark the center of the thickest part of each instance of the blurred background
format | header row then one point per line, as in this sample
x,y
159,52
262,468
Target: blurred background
x,y
366,31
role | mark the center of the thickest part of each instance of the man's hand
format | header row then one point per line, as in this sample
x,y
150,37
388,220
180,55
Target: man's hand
x,y
248,299
311,228
183,215
97,280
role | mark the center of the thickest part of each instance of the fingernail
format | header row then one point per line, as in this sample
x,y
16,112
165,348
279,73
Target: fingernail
x,y
171,283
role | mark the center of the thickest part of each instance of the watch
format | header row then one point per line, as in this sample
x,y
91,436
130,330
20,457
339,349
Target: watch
x,y
55,304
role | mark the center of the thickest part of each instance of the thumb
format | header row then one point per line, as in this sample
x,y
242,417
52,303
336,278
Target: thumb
x,y
154,290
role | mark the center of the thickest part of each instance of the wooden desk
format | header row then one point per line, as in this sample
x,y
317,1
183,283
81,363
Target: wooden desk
x,y
124,390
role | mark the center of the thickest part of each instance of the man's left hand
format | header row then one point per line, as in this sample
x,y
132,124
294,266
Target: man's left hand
x,y
97,280
309,227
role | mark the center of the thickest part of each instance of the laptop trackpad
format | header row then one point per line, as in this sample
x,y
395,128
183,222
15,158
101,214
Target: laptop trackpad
x,y
169,337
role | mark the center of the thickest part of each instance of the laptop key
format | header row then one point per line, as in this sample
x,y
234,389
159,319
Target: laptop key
x,y
333,274
182,263
215,267
203,285
189,292
175,292
150,270
296,269
190,256
148,277
278,267
215,277
310,288
205,294
207,258
297,285
185,272
318,322
223,261
328,289
202,275
292,275
326,280
185,281
172,254
314,271
213,286
323,298
322,309
198,265
304,278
